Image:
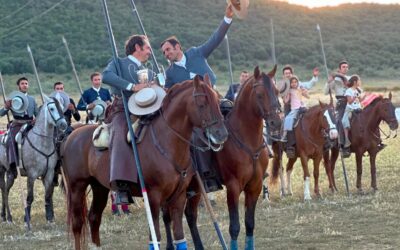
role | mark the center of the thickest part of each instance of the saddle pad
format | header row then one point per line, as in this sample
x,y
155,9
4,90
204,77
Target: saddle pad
x,y
369,99
101,136
397,114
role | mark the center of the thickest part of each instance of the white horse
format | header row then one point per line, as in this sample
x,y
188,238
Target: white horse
x,y
39,158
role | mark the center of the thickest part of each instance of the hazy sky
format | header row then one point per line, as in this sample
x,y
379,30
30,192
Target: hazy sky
x,y
319,3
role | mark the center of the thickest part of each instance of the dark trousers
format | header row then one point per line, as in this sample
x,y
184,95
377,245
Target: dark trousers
x,y
12,150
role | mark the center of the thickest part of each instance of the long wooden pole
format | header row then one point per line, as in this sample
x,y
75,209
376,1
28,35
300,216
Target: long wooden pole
x,y
133,141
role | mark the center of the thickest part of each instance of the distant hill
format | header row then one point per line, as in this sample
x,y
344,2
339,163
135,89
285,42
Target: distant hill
x,y
368,35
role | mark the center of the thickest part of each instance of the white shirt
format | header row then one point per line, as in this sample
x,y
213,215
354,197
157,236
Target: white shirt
x,y
353,93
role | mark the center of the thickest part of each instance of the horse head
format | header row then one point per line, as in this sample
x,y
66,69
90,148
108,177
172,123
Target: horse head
x,y
387,113
200,103
264,98
328,119
52,109
205,111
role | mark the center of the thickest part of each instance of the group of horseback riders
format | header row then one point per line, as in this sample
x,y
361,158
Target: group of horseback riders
x,y
184,65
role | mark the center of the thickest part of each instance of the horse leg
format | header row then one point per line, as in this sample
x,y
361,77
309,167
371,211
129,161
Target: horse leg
x,y
29,201
3,193
155,213
359,171
306,176
9,183
176,210
316,162
191,212
167,224
332,163
48,197
99,202
289,170
281,176
77,211
233,193
328,170
251,195
372,162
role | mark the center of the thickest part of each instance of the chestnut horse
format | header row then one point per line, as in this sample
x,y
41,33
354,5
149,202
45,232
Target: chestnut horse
x,y
365,137
243,160
314,128
164,154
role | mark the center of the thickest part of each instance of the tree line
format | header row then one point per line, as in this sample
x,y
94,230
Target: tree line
x,y
368,35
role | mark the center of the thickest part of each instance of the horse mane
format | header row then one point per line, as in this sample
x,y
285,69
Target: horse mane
x,y
175,90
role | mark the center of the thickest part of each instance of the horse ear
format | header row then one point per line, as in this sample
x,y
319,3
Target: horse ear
x,y
46,98
196,81
321,104
271,74
257,72
330,98
207,80
390,95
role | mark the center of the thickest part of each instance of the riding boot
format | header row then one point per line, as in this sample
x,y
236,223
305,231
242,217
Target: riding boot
x,y
123,193
290,145
57,171
347,142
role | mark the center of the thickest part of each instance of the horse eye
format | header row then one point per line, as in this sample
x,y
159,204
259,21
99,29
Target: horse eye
x,y
51,109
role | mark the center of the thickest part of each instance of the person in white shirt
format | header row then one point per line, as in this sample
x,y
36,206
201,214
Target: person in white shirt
x,y
353,95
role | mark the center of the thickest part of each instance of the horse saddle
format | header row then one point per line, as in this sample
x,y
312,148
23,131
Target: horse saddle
x,y
299,116
225,105
101,135
22,133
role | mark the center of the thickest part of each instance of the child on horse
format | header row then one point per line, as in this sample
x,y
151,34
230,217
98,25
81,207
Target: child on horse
x,y
352,95
294,97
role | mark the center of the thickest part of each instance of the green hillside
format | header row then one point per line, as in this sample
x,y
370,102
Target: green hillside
x,y
367,35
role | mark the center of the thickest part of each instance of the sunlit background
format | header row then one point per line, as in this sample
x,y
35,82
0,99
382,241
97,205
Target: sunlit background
x,y
320,3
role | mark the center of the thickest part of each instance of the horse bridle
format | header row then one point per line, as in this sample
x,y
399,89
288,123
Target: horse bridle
x,y
265,114
204,124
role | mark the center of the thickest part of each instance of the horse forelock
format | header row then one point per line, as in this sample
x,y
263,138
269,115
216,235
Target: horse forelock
x,y
58,105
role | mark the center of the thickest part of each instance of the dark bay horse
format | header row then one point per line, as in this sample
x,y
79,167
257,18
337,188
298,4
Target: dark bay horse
x,y
314,128
365,136
164,154
243,160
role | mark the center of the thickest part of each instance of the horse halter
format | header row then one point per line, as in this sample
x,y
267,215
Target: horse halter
x,y
274,103
205,123
57,121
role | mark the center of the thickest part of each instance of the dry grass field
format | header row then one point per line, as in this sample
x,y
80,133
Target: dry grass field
x,y
369,221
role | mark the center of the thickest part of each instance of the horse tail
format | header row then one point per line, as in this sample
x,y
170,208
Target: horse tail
x,y
276,161
74,216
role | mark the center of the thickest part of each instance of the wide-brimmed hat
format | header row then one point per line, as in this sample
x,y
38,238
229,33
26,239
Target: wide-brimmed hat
x,y
99,109
62,98
146,101
283,87
19,101
239,7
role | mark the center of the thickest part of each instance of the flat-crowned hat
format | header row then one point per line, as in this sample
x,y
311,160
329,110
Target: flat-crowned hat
x,y
62,98
146,101
99,109
283,87
19,101
239,7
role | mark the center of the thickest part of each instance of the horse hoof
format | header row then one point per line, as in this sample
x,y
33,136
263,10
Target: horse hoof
x,y
307,198
360,191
